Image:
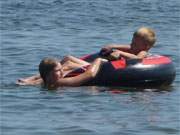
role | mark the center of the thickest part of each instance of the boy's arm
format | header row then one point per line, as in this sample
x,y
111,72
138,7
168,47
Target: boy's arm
x,y
82,78
127,55
117,46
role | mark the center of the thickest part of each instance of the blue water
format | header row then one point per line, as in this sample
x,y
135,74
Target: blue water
x,y
31,30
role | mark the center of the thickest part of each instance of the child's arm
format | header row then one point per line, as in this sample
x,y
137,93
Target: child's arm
x,y
74,60
71,62
90,73
36,81
127,55
117,46
32,80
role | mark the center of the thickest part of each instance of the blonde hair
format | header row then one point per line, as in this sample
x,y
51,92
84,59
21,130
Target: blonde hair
x,y
147,34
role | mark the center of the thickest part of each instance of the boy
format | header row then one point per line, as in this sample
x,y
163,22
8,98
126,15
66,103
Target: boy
x,y
143,39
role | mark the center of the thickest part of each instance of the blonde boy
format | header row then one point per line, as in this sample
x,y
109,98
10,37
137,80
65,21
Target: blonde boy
x,y
143,39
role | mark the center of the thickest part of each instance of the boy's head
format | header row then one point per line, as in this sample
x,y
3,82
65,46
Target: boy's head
x,y
144,37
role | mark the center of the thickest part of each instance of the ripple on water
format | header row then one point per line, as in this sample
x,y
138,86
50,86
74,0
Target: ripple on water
x,y
32,30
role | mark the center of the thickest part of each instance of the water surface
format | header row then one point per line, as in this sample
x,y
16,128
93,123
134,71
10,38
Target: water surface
x,y
32,30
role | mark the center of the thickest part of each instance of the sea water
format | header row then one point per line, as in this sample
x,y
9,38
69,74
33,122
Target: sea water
x,y
32,30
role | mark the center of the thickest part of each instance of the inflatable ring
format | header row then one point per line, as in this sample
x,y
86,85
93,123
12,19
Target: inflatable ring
x,y
154,70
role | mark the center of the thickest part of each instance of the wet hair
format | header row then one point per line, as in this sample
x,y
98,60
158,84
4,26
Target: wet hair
x,y
46,66
147,34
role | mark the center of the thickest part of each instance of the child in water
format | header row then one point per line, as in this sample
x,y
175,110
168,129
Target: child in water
x,y
143,39
68,64
53,75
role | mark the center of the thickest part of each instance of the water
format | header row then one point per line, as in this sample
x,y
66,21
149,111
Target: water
x,y
31,30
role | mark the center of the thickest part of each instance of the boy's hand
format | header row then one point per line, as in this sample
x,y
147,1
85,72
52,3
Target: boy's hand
x,y
105,51
115,54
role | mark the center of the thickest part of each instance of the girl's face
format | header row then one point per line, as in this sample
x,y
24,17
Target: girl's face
x,y
57,72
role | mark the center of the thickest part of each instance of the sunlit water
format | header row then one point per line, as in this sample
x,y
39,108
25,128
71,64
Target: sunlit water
x,y
31,30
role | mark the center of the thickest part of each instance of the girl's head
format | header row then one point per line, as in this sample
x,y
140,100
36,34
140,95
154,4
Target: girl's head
x,y
144,38
50,70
